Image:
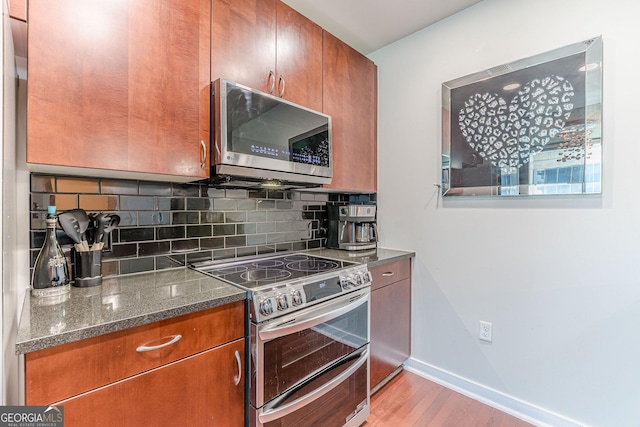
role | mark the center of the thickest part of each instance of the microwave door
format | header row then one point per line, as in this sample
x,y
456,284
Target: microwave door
x,y
264,137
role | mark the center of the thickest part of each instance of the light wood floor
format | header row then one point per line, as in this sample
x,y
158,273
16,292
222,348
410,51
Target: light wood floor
x,y
410,400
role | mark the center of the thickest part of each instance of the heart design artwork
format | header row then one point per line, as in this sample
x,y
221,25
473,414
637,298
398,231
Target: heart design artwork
x,y
508,135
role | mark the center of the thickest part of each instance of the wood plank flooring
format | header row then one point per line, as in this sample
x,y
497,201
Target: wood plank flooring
x,y
410,400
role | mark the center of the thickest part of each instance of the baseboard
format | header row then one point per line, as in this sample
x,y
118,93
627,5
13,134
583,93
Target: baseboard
x,y
513,406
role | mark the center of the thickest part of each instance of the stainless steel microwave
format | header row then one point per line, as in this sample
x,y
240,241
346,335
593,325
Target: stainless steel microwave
x,y
260,138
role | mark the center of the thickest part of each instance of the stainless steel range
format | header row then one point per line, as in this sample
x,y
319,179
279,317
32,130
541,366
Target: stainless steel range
x,y
309,338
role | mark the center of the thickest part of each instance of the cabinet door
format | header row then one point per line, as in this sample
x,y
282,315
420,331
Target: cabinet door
x,y
266,45
299,58
390,329
243,42
350,98
197,391
18,9
119,85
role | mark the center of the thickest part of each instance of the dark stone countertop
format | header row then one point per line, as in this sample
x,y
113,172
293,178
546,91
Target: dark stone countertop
x,y
371,258
119,303
137,299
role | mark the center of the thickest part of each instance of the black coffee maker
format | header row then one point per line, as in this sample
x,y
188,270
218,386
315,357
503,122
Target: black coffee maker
x,y
352,227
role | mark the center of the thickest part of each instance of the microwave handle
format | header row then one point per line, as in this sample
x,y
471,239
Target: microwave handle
x,y
274,414
313,317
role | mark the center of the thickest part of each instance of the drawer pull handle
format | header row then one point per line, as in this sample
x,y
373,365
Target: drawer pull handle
x,y
388,274
237,378
144,348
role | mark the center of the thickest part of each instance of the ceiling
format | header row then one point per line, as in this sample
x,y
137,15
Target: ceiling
x,y
368,25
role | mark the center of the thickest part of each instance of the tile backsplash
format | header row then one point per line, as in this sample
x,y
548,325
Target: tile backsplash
x,y
167,225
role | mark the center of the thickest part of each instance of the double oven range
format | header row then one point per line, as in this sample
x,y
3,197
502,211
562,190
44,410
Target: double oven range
x,y
308,338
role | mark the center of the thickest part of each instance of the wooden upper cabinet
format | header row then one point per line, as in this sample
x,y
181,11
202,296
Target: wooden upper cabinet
x,y
266,45
18,9
350,83
243,36
119,85
299,58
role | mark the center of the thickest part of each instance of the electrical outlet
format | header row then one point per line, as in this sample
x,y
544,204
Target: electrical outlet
x,y
486,331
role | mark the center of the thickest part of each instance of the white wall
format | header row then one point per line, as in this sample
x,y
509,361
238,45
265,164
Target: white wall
x,y
558,277
9,319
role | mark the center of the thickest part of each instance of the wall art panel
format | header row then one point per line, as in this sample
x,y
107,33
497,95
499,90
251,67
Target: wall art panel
x,y
530,127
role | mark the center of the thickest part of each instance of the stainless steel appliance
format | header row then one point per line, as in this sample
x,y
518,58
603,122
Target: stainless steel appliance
x,y
309,338
352,227
260,138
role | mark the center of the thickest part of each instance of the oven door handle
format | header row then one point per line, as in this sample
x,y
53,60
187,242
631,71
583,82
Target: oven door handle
x,y
274,414
313,318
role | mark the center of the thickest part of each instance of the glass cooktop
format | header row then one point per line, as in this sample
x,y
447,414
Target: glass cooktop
x,y
258,272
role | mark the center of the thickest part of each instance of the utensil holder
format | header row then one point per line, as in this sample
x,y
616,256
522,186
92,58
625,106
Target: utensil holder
x,y
88,268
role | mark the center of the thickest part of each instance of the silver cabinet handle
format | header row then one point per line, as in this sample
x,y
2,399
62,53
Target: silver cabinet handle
x,y
237,378
274,414
204,154
388,274
281,79
272,79
144,348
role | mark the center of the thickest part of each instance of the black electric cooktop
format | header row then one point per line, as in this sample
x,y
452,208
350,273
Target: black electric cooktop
x,y
255,273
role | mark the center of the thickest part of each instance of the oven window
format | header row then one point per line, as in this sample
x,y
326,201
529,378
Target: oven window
x,y
335,408
291,358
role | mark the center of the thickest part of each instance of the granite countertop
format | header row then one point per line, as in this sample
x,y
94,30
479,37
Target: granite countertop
x,y
132,300
371,258
119,303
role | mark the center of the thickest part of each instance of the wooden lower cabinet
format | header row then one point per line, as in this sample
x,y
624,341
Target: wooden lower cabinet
x,y
390,319
183,371
202,390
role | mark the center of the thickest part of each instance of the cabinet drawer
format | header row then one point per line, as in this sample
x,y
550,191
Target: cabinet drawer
x,y
391,272
202,390
60,372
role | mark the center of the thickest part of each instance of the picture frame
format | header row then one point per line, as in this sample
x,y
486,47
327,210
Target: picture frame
x,y
530,127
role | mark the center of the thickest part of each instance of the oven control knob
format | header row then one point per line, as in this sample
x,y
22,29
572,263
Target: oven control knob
x,y
352,281
355,280
367,277
283,302
296,297
344,283
266,306
359,279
